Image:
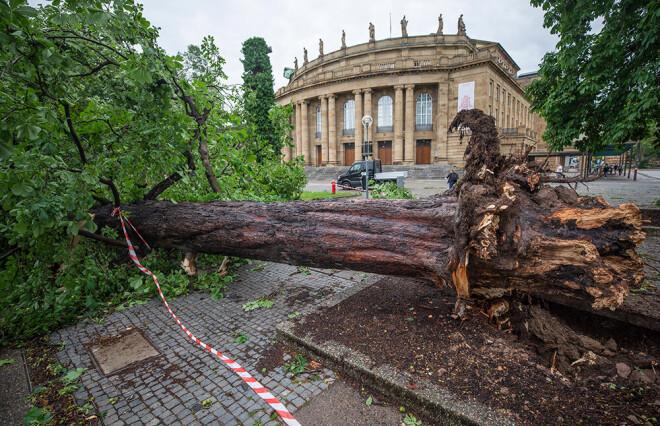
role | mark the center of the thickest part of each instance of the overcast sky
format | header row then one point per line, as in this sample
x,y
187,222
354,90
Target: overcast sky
x,y
290,25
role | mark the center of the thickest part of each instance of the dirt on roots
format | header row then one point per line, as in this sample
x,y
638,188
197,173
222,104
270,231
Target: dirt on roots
x,y
541,367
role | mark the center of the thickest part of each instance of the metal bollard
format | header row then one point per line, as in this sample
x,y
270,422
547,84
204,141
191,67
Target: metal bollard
x,y
635,175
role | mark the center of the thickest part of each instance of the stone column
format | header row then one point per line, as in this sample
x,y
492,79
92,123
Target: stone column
x,y
441,122
298,124
409,157
398,125
332,131
305,133
367,111
324,129
358,124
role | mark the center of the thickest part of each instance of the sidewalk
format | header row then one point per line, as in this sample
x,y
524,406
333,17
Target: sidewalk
x,y
188,385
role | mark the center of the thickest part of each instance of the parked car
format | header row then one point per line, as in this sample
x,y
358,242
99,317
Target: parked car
x,y
353,176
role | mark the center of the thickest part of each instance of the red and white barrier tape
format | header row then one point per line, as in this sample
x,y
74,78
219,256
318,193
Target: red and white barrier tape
x,y
240,371
350,187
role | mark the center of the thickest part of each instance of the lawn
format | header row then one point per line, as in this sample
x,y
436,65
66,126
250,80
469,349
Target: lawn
x,y
315,195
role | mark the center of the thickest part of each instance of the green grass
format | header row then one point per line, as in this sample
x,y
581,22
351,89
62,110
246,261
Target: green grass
x,y
311,195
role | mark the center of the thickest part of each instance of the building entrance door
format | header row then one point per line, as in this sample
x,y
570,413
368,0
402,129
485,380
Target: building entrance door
x,y
319,156
385,152
349,154
423,152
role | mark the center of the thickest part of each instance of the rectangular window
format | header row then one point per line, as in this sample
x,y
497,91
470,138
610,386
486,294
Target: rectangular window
x,y
490,89
497,93
490,110
349,116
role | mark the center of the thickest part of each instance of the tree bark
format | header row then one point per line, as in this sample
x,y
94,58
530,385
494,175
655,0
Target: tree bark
x,y
577,247
396,237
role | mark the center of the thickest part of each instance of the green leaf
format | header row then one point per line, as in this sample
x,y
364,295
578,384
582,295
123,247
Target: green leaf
x,y
73,228
21,188
37,416
27,11
240,338
369,401
33,131
21,227
91,226
136,283
6,361
73,375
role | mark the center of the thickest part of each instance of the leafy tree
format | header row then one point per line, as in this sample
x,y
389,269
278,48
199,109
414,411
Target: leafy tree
x,y
600,87
258,84
92,111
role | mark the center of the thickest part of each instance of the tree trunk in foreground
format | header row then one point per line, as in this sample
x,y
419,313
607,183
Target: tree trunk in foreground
x,y
584,249
505,231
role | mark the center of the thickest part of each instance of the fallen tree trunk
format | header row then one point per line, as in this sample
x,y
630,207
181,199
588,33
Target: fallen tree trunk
x,y
392,237
505,231
581,248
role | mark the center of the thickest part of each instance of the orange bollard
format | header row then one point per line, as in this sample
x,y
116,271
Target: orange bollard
x,y
334,186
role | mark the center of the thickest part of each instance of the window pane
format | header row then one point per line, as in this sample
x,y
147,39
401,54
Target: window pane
x,y
385,111
424,103
349,114
318,119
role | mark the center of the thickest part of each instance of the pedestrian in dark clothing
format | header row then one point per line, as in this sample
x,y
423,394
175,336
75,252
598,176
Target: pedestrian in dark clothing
x,y
452,178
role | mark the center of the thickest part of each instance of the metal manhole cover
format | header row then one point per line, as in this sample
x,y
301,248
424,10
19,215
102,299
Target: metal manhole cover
x,y
115,354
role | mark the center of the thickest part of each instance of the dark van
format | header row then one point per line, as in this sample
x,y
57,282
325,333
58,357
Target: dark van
x,y
353,177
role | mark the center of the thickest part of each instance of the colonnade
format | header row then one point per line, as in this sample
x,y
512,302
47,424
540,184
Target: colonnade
x,y
403,135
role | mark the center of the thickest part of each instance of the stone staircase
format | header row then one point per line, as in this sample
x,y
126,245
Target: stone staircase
x,y
415,171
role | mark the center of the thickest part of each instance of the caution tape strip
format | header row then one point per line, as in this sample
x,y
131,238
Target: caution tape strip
x,y
350,187
240,371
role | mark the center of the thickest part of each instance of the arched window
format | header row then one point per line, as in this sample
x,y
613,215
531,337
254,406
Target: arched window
x,y
349,117
385,114
423,121
318,121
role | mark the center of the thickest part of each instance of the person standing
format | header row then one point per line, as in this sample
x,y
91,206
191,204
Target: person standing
x,y
452,178
559,170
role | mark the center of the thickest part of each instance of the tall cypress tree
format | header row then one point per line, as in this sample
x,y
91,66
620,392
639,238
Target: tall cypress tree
x,y
258,84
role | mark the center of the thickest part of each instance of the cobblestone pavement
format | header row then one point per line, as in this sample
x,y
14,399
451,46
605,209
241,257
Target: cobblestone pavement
x,y
172,388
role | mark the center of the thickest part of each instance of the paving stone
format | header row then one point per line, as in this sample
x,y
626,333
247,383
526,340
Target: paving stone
x,y
199,374
111,419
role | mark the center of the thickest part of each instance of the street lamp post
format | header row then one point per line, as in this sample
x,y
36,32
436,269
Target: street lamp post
x,y
366,121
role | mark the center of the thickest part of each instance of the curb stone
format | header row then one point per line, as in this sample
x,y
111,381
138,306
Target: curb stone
x,y
431,400
651,230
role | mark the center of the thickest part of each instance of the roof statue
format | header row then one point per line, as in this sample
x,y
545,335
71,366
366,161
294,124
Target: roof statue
x,y
295,63
461,25
404,27
304,56
440,25
372,33
343,39
320,47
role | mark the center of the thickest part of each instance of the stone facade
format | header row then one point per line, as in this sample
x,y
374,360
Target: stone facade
x,y
421,76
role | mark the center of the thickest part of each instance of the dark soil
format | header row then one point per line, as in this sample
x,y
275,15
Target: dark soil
x,y
51,393
407,324
273,357
41,358
652,215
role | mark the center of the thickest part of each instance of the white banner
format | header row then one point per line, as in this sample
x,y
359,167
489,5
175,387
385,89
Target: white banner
x,y
466,95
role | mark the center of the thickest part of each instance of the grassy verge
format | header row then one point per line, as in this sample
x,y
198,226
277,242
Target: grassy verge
x,y
311,195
